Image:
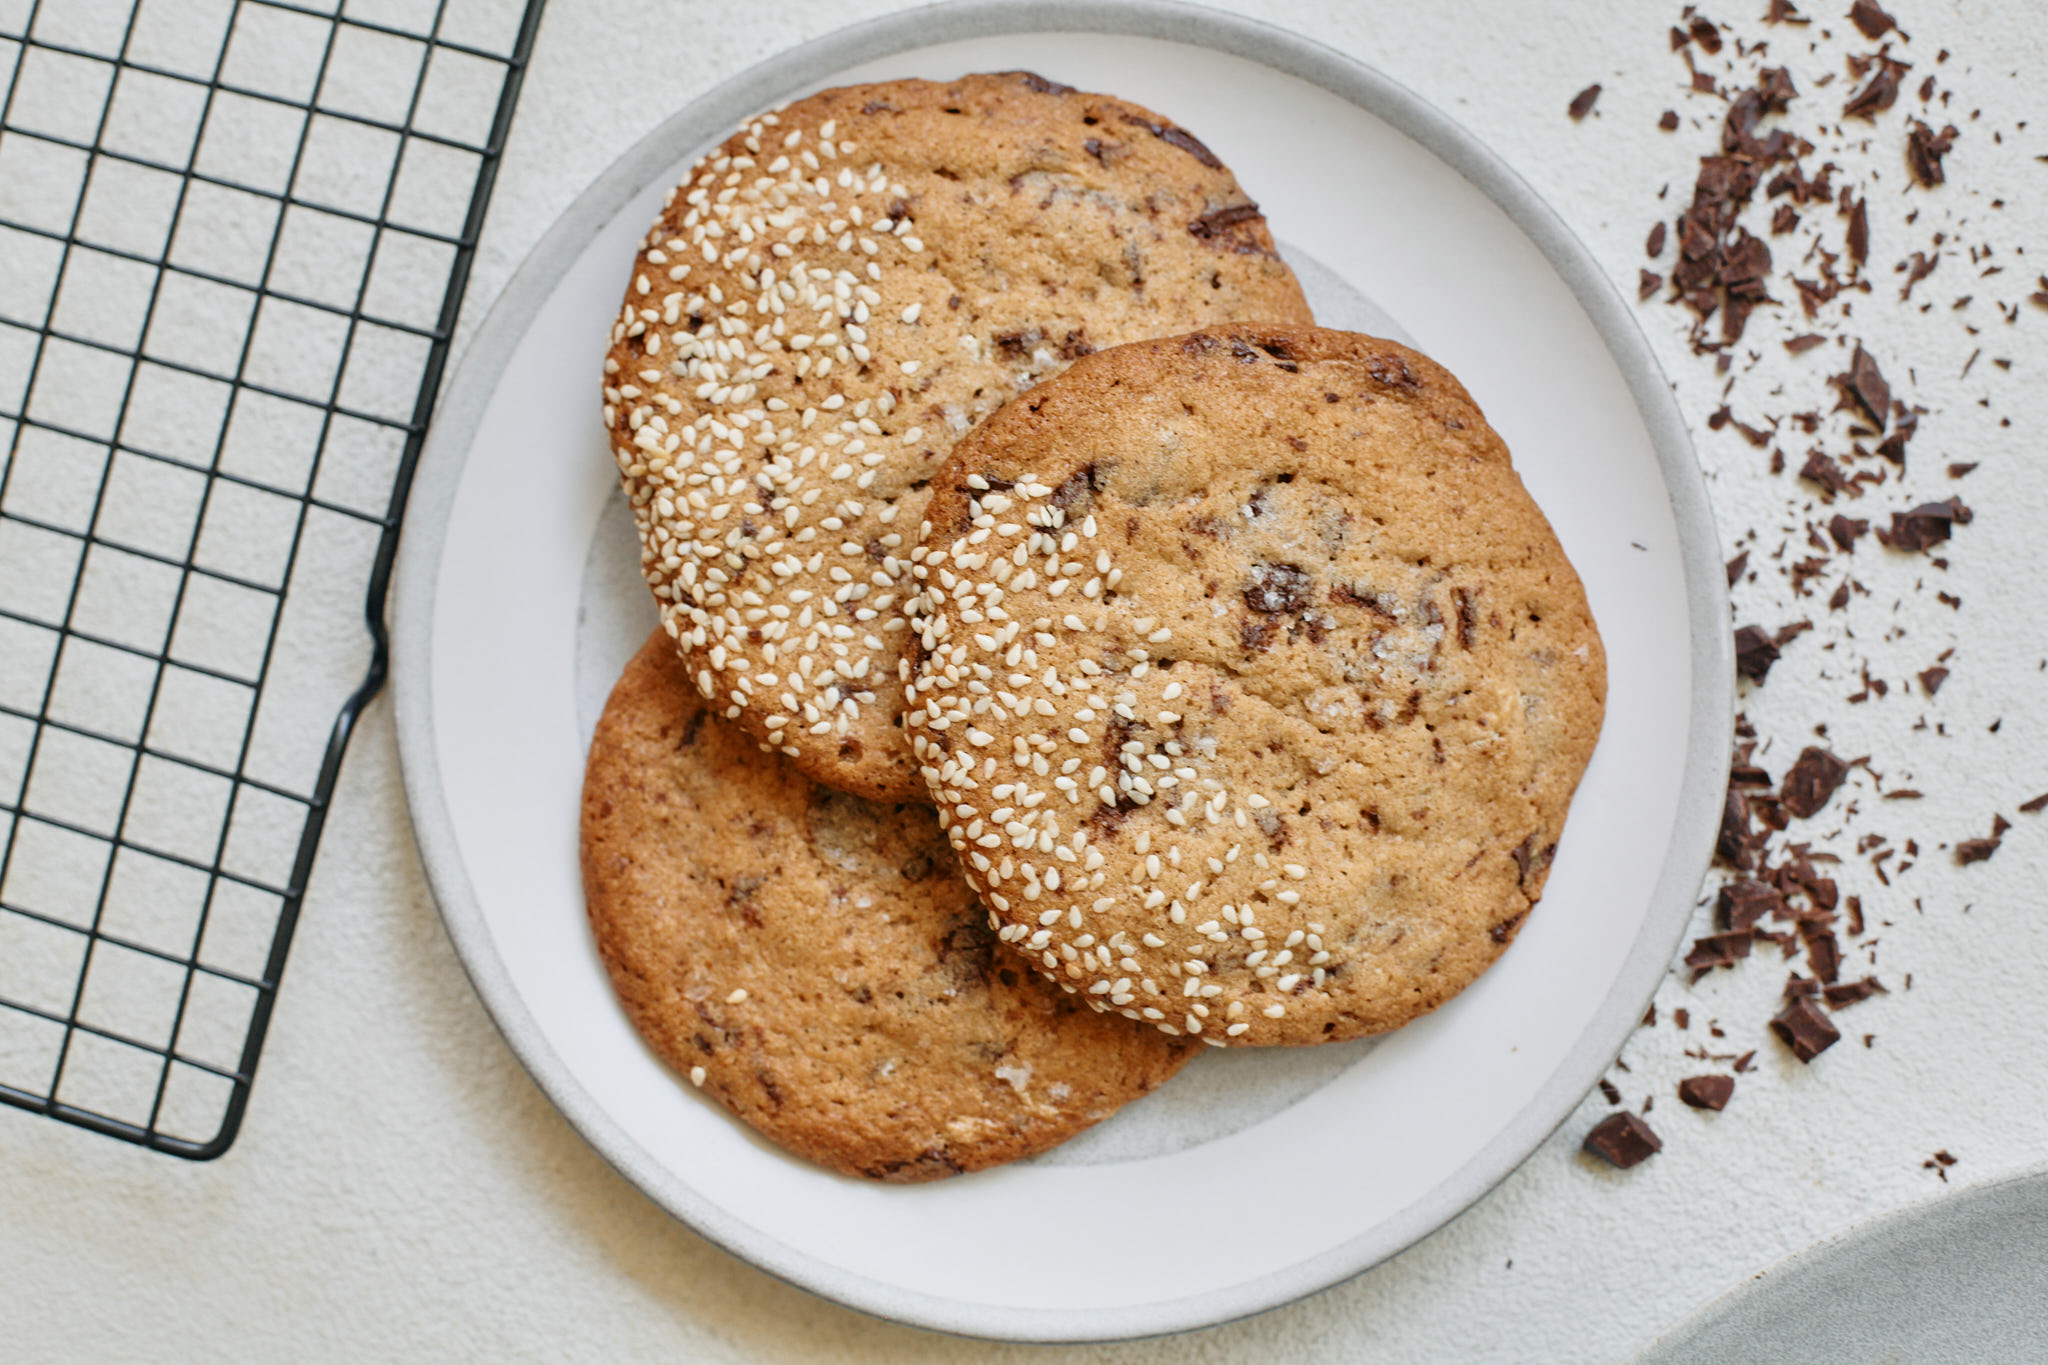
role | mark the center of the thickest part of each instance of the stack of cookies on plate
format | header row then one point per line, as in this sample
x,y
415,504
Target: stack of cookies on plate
x,y
1069,654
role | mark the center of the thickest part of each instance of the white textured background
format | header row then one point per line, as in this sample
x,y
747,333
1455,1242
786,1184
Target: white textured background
x,y
402,1191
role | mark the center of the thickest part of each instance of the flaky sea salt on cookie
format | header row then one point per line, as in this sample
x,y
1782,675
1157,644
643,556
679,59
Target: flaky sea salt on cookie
x,y
1252,687
828,301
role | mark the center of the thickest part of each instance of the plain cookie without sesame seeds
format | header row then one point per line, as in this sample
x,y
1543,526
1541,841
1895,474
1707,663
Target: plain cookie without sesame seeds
x,y
1253,687
827,302
815,961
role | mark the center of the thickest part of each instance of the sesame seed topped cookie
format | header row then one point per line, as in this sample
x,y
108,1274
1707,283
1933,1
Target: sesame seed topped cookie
x,y
825,304
814,961
1252,686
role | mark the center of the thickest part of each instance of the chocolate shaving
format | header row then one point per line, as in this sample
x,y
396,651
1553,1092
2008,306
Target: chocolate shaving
x,y
1881,93
2035,805
1582,103
1822,470
1924,150
1845,531
1851,992
1904,424
1754,653
1622,1140
1931,679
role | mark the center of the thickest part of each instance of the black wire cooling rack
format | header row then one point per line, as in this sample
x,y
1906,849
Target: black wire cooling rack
x,y
234,236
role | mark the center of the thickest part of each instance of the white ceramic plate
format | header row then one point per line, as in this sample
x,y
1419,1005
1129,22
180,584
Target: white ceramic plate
x,y
1253,1178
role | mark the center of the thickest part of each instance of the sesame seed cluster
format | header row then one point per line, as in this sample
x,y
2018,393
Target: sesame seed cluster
x,y
825,304
812,960
1251,686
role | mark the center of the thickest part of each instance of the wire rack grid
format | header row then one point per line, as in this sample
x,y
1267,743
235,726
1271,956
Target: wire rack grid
x,y
234,236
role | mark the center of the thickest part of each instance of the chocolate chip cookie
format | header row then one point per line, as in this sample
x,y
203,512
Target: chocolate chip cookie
x,y
825,304
815,961
1252,685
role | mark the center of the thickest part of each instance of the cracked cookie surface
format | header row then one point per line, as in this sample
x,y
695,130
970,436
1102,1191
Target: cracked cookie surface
x,y
814,960
1252,686
828,301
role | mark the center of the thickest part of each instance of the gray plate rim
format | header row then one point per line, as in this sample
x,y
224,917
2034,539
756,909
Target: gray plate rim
x,y
1706,754
1753,1300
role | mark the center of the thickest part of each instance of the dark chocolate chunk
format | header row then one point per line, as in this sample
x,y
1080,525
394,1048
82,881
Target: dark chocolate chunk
x,y
1174,136
1742,903
1924,150
1872,22
1034,81
1717,950
1733,844
1926,525
1805,342
1736,566
1931,679
1823,949
1668,121
1754,653
1582,103
1653,246
1812,779
1866,384
1215,223
1707,1092
2035,805
1622,1140
1609,1091
1647,283
1821,469
1858,237
1845,531
1976,850
1805,1030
